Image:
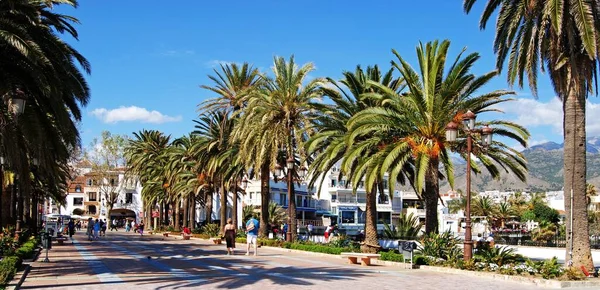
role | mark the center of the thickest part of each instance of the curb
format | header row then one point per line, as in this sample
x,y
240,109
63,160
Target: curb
x,y
303,252
17,281
544,283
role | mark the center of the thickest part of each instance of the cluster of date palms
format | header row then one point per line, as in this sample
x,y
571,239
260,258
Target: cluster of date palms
x,y
373,124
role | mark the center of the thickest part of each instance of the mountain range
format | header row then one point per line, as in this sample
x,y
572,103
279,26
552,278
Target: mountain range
x,y
545,164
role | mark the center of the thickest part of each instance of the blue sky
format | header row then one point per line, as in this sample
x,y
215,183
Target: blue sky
x,y
149,57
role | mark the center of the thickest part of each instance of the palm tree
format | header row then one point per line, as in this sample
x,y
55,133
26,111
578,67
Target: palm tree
x,y
274,123
410,127
38,66
146,158
483,206
233,85
277,215
407,227
329,145
457,205
518,201
504,211
560,37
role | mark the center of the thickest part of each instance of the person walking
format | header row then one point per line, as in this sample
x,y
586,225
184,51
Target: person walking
x,y
97,227
90,229
113,225
252,227
141,228
127,227
310,229
103,227
229,233
71,226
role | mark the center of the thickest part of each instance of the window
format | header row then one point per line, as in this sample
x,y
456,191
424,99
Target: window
x,y
342,182
333,197
92,196
333,182
78,188
129,197
348,217
384,217
92,209
78,201
283,199
89,182
112,182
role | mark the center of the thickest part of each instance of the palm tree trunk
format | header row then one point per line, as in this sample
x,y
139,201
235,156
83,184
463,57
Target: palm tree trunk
x,y
208,207
5,204
234,206
186,212
371,243
578,238
176,212
430,196
192,205
265,197
160,214
292,206
223,208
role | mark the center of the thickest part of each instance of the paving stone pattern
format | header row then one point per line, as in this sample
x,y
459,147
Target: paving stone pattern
x,y
127,261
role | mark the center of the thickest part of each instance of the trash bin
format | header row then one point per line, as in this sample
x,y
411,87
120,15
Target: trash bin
x,y
46,240
406,248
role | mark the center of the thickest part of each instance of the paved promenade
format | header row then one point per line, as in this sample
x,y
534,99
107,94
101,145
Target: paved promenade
x,y
126,261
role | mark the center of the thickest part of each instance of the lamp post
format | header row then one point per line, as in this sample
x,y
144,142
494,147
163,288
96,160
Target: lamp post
x,y
18,100
291,195
451,135
1,187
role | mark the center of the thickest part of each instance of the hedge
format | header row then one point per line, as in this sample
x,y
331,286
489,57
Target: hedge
x,y
317,248
27,250
8,268
391,256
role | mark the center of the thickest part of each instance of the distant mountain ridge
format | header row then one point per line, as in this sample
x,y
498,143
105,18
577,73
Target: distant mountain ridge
x,y
545,164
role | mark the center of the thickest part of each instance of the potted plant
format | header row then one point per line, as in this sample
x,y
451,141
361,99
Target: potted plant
x,y
212,230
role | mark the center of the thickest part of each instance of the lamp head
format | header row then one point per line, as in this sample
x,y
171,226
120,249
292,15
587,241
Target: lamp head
x,y
469,120
451,132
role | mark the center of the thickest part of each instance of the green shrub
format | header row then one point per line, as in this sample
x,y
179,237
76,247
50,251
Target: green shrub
x,y
170,229
318,248
211,229
27,250
391,256
550,269
499,256
419,260
442,246
8,268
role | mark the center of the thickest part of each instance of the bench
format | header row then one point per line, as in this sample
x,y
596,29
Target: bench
x,y
61,240
365,259
186,236
217,241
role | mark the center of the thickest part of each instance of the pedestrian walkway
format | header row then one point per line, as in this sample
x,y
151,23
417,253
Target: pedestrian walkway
x,y
128,261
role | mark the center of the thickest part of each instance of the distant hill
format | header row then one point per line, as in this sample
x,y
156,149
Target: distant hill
x,y
545,163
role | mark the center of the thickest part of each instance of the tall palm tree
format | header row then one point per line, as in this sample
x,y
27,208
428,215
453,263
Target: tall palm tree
x,y
146,158
410,127
483,206
274,122
560,37
457,205
39,66
590,190
330,143
233,85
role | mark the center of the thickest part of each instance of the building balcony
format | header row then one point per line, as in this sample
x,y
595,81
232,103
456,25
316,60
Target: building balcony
x,y
86,203
419,212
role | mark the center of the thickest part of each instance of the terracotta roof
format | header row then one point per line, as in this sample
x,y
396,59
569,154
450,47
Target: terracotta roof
x,y
84,163
79,181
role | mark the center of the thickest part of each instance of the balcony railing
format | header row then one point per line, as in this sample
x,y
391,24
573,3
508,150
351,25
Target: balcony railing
x,y
316,223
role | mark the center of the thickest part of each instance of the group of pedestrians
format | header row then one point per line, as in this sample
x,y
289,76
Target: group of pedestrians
x,y
230,232
96,229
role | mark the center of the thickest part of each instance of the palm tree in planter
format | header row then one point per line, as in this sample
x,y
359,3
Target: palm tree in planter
x,y
410,127
562,38
504,211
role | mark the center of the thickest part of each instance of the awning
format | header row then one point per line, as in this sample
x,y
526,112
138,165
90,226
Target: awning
x,y
325,213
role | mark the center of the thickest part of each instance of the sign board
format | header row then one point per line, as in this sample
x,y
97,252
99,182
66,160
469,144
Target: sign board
x,y
347,208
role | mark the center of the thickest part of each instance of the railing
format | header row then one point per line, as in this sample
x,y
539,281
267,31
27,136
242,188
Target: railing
x,y
525,240
316,223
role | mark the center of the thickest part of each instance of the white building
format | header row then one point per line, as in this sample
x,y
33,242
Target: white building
x,y
87,194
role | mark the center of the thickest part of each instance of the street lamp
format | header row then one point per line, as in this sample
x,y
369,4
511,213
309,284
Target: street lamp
x,y
18,100
451,135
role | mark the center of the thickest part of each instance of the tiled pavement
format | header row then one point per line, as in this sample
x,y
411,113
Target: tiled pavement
x,y
127,261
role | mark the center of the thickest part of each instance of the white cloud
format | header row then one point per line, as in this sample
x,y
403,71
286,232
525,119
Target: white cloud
x,y
178,52
132,114
216,63
533,113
